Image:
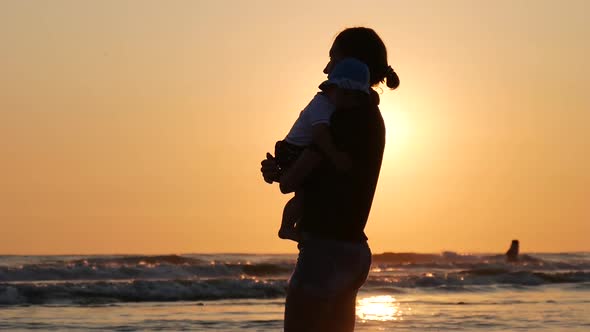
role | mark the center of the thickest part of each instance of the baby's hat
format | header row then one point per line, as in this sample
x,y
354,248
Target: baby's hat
x,y
349,73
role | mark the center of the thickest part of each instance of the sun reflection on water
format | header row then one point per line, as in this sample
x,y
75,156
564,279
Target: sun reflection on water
x,y
379,308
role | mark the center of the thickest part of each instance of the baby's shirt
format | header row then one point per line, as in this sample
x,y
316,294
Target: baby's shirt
x,y
319,110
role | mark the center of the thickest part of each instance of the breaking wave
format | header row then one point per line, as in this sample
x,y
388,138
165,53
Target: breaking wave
x,y
138,278
139,267
139,291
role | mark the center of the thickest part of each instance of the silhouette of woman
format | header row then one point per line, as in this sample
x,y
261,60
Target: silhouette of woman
x,y
334,257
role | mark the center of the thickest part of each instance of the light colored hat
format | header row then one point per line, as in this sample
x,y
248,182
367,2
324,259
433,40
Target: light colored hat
x,y
349,73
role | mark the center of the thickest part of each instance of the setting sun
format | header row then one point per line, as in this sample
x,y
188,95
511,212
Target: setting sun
x,y
399,128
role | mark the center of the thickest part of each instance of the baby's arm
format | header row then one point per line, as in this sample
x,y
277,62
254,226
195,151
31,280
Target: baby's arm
x,y
292,179
322,137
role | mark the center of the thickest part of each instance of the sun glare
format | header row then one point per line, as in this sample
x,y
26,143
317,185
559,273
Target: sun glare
x,y
378,308
397,125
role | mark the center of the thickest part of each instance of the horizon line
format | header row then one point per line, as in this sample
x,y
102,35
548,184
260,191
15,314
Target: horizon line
x,y
292,253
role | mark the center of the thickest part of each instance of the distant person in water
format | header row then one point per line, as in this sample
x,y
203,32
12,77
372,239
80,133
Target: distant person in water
x,y
346,88
512,253
334,256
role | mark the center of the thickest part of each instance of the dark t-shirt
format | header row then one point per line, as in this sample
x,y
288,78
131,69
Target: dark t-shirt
x,y
336,204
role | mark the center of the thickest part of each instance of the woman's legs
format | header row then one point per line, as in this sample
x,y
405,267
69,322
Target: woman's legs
x,y
311,313
323,288
302,312
341,315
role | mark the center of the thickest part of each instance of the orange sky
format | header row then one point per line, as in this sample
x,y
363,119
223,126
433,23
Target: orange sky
x,y
138,126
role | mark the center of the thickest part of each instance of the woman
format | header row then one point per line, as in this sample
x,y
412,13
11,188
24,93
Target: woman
x,y
334,257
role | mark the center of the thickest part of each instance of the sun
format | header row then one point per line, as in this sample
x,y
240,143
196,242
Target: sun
x,y
397,125
396,122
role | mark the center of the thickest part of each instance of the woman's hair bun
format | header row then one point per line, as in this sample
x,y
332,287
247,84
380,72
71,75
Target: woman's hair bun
x,y
391,78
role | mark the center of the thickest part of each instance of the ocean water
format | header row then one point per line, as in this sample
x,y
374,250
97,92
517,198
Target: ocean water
x,y
242,292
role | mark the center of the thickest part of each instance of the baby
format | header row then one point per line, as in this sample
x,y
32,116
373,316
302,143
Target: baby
x,y
347,86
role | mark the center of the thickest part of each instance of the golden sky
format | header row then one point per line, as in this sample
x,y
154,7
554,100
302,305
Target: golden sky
x,y
139,126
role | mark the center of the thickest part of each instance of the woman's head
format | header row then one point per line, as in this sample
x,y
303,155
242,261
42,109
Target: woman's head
x,y
365,45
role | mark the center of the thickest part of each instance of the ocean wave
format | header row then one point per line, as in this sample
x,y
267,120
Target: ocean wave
x,y
139,291
452,260
454,281
170,267
244,287
140,260
140,267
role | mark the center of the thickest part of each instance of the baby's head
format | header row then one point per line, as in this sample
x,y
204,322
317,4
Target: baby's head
x,y
348,84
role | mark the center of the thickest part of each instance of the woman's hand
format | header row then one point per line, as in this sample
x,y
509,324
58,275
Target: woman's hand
x,y
270,170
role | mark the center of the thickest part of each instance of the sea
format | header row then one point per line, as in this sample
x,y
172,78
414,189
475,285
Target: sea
x,y
446,291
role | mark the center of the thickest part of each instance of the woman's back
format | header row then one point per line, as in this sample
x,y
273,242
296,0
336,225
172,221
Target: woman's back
x,y
336,204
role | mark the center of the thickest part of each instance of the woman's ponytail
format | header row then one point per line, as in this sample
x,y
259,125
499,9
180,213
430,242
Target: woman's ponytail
x,y
391,78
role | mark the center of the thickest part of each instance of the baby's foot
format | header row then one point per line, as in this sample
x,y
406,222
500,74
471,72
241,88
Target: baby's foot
x,y
288,234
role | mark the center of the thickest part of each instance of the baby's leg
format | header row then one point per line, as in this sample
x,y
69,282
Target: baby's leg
x,y
291,214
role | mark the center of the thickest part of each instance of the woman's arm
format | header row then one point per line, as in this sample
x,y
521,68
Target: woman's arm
x,y
292,179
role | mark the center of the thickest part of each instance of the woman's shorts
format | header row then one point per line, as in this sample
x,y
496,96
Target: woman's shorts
x,y
326,268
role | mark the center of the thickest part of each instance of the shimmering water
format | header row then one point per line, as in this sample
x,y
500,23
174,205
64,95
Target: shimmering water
x,y
410,292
